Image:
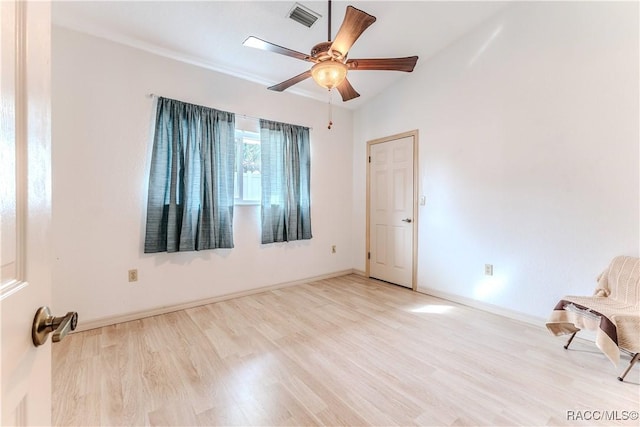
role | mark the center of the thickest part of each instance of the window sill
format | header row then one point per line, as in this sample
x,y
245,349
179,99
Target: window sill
x,y
246,203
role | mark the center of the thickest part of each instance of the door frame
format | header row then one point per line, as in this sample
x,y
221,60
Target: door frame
x,y
414,255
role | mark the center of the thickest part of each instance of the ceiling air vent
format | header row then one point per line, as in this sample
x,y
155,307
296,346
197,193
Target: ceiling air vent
x,y
303,15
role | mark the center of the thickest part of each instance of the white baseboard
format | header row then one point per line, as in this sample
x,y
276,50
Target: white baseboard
x,y
504,312
112,320
501,311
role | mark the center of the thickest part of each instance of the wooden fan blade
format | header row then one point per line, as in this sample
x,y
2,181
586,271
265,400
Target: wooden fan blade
x,y
293,80
265,45
347,91
354,24
392,64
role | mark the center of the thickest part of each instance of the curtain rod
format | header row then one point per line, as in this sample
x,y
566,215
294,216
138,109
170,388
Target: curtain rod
x,y
245,116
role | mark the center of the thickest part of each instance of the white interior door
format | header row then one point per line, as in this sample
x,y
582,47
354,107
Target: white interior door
x,y
391,210
25,209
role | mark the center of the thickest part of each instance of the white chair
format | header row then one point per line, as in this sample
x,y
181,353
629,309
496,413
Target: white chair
x,y
613,312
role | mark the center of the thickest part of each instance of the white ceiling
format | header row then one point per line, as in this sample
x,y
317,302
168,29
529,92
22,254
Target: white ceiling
x,y
210,34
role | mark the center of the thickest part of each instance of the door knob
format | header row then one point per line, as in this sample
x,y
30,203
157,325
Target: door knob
x,y
406,220
44,323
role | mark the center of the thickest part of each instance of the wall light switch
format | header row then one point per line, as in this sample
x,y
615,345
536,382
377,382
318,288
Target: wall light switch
x,y
488,269
423,200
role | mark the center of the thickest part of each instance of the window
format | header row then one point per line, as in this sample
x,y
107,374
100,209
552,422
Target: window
x,y
205,161
247,186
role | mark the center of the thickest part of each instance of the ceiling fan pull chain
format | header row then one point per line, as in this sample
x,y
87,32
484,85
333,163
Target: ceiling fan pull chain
x,y
330,111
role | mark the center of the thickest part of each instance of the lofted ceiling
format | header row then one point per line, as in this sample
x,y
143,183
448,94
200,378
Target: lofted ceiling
x,y
210,34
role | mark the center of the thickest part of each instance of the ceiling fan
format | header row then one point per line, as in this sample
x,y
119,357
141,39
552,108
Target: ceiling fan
x,y
330,58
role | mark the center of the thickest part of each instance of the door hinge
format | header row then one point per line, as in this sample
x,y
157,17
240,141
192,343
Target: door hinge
x,y
369,159
368,255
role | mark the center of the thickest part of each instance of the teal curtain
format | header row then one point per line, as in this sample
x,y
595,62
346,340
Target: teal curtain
x,y
190,204
286,175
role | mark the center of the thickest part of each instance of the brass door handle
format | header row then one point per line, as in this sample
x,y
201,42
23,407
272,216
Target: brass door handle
x,y
44,323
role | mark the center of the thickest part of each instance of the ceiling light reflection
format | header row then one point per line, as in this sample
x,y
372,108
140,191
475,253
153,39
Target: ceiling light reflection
x,y
432,309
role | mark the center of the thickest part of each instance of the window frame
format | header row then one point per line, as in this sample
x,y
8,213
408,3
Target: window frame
x,y
240,136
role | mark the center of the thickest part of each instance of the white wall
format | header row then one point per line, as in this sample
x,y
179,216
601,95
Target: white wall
x,y
528,153
528,157
102,119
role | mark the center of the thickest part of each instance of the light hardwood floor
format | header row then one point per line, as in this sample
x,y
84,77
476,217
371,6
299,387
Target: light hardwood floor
x,y
345,351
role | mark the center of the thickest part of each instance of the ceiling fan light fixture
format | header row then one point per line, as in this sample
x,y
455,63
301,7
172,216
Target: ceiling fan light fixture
x,y
330,57
329,74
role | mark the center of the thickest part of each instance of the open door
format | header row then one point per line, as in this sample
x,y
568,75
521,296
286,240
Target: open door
x,y
25,209
391,209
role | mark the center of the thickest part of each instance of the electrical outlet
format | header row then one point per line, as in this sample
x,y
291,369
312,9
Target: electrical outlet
x,y
333,249
133,275
488,269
